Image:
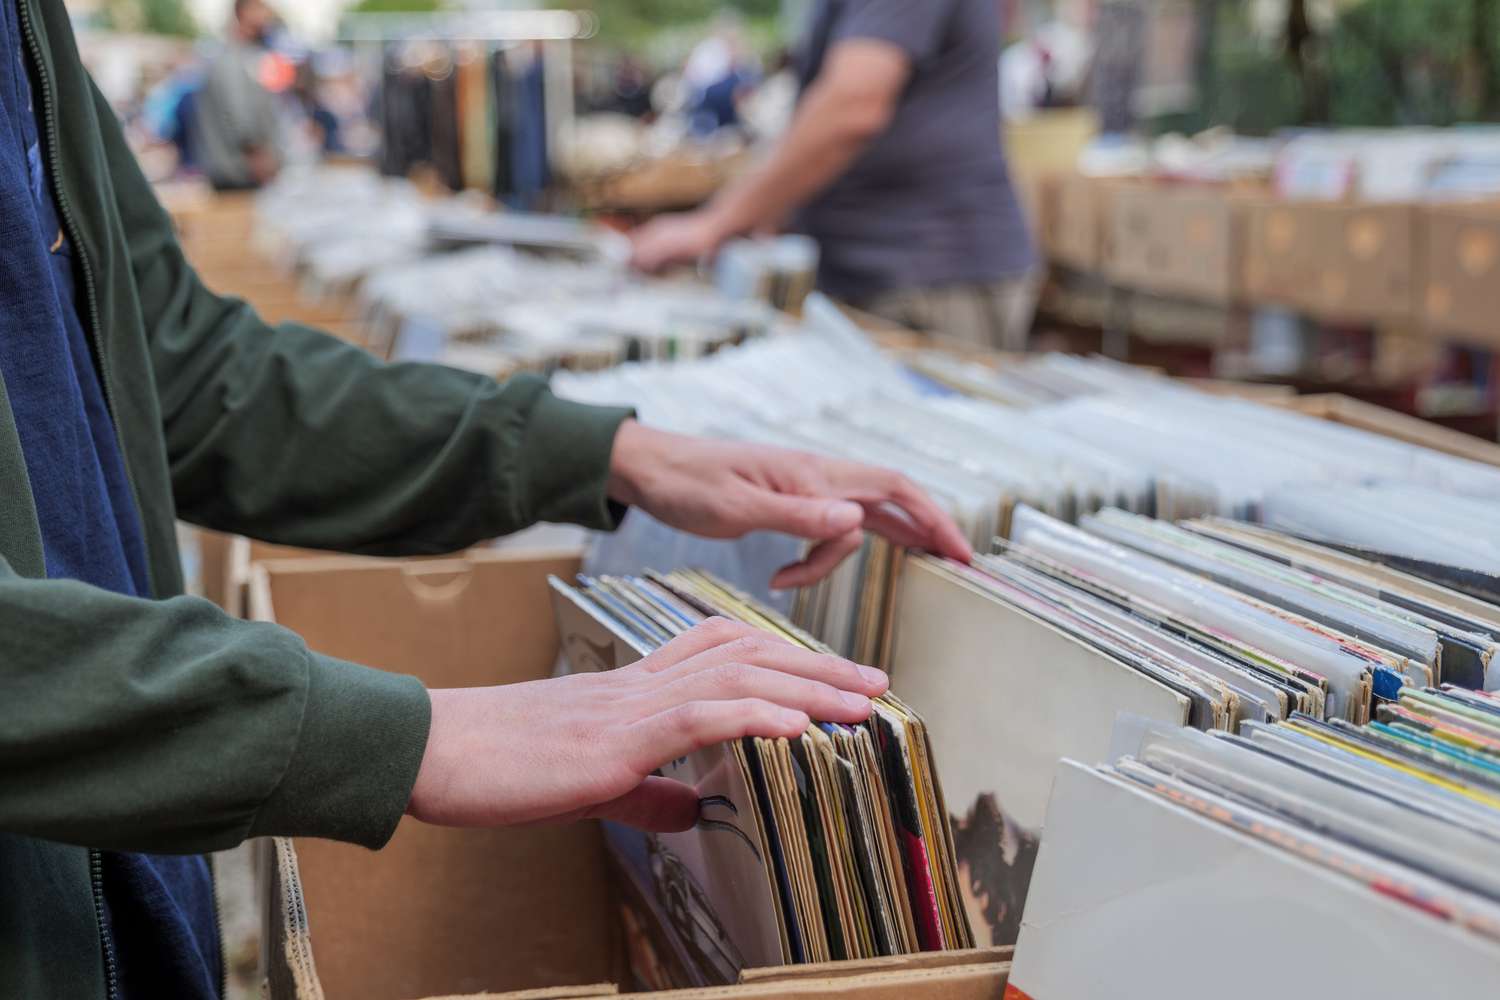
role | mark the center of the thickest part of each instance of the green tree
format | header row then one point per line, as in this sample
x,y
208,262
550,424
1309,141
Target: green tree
x,y
397,7
1404,62
1381,63
155,17
636,22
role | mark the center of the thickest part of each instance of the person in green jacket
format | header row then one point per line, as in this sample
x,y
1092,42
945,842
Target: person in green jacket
x,y
140,728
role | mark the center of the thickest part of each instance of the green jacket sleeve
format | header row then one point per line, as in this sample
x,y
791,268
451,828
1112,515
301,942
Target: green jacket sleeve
x,y
291,436
168,726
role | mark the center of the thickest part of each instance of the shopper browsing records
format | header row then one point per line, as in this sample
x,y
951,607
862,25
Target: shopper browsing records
x,y
139,728
893,163
238,127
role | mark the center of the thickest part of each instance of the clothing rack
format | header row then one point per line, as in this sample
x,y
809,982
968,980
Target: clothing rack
x,y
500,30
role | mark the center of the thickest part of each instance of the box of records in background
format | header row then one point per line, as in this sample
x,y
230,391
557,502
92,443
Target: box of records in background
x,y
1339,261
1182,240
1074,220
1462,293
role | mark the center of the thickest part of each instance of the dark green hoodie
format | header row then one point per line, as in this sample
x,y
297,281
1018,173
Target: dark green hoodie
x,y
165,725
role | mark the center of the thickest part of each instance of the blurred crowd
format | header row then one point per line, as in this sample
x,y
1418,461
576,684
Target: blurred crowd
x,y
237,108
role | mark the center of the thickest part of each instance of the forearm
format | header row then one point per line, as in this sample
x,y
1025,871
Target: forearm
x,y
171,727
827,135
308,442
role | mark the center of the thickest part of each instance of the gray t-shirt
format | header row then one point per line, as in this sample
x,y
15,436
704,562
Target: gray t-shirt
x,y
929,203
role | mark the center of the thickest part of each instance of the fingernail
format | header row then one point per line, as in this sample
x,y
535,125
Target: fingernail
x,y
855,702
795,719
843,516
873,677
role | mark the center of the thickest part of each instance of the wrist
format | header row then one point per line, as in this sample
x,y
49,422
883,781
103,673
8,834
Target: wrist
x,y
435,773
625,463
723,221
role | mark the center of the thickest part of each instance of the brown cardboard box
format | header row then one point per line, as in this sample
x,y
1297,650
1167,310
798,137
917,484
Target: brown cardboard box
x,y
441,911
672,182
291,972
1073,210
1340,261
225,561
445,913
1176,241
1461,297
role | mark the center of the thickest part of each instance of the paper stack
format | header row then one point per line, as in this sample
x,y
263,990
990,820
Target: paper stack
x,y
834,846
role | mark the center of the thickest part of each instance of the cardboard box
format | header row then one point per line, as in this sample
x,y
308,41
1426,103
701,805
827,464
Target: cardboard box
x,y
1176,241
224,566
1461,297
667,183
1073,210
440,912
1338,261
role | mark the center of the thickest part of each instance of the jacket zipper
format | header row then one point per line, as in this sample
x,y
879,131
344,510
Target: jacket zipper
x,y
49,119
65,217
96,881
213,883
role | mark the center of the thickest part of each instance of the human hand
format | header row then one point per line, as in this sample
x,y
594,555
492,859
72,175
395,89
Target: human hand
x,y
585,746
720,489
681,238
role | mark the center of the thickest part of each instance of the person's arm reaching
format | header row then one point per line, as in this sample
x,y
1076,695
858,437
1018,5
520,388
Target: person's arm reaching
x,y
288,435
724,490
168,726
848,105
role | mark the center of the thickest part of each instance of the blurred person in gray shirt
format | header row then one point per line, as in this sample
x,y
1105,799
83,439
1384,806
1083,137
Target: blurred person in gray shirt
x,y
894,164
239,131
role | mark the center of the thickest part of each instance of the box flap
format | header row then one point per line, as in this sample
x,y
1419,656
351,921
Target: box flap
x,y
442,911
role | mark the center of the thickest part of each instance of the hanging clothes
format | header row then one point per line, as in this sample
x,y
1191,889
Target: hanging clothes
x,y
501,101
418,114
447,157
475,119
531,164
405,131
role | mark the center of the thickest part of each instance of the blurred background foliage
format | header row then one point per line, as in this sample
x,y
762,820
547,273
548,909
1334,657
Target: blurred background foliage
x,y
1376,63
153,17
1366,63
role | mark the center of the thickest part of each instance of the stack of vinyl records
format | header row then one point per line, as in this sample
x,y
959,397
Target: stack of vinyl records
x,y
1030,656
498,310
834,846
1436,533
452,281
1089,434
1363,861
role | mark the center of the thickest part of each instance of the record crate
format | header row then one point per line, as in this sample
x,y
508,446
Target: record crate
x,y
443,912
